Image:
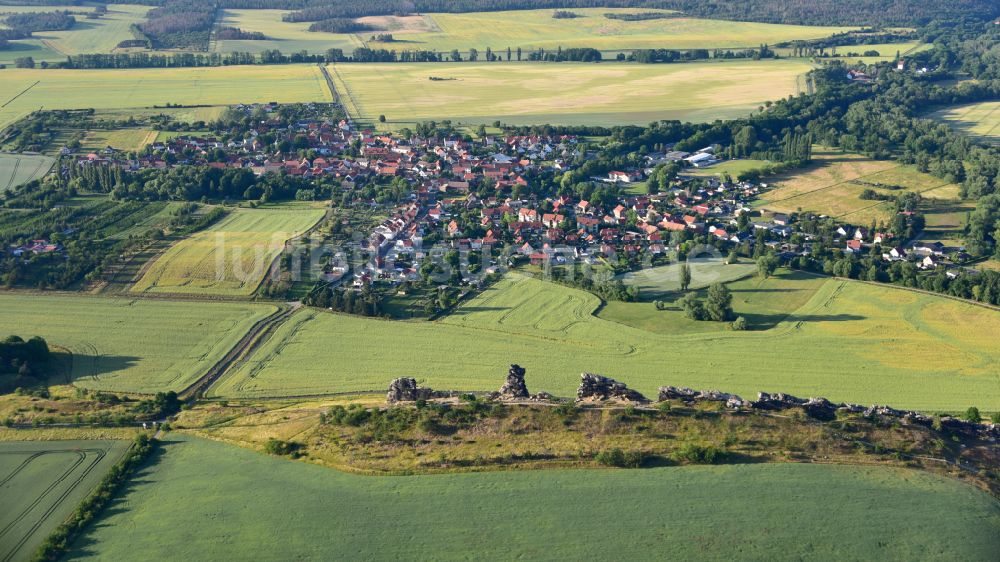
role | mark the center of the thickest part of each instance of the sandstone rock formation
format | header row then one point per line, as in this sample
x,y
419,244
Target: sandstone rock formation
x,y
597,387
405,389
514,388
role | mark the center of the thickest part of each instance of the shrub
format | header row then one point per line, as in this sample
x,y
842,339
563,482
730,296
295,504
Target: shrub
x,y
740,324
698,454
973,415
621,459
281,448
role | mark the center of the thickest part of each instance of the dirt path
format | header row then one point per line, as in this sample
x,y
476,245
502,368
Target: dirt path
x,y
243,348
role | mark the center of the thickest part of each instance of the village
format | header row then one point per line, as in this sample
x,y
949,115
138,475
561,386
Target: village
x,y
503,191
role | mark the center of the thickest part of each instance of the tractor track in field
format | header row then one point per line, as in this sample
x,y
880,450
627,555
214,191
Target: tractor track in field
x,y
24,91
82,455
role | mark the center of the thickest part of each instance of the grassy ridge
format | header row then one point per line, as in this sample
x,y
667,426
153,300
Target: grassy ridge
x,y
248,240
132,345
70,468
864,344
180,509
605,94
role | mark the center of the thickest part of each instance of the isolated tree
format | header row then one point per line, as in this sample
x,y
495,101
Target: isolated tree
x,y
766,265
692,307
719,304
733,258
685,276
381,118
972,415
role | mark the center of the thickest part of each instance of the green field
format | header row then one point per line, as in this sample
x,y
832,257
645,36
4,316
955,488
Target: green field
x,y
143,88
979,120
566,93
230,258
121,139
865,344
833,182
182,508
732,167
42,482
658,282
100,35
286,37
131,345
16,169
764,303
528,29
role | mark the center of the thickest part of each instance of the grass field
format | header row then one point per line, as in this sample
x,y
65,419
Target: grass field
x,y
230,258
732,167
658,282
565,93
528,29
284,36
143,88
979,120
833,183
865,344
132,345
533,29
121,139
100,35
180,509
16,169
42,482
764,303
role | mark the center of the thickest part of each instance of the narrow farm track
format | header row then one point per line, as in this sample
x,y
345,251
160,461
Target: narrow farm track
x,y
243,348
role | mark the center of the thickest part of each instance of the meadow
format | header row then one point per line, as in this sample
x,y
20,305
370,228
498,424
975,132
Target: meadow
x,y
866,344
285,36
566,93
732,167
43,482
131,345
528,29
979,120
120,139
662,281
832,184
16,169
764,303
179,509
533,29
100,35
229,258
144,88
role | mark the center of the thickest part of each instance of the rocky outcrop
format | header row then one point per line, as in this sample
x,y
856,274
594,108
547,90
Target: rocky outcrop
x,y
514,388
688,395
597,387
776,401
405,389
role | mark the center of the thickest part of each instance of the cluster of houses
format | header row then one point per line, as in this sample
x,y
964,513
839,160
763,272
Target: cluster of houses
x,y
34,247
